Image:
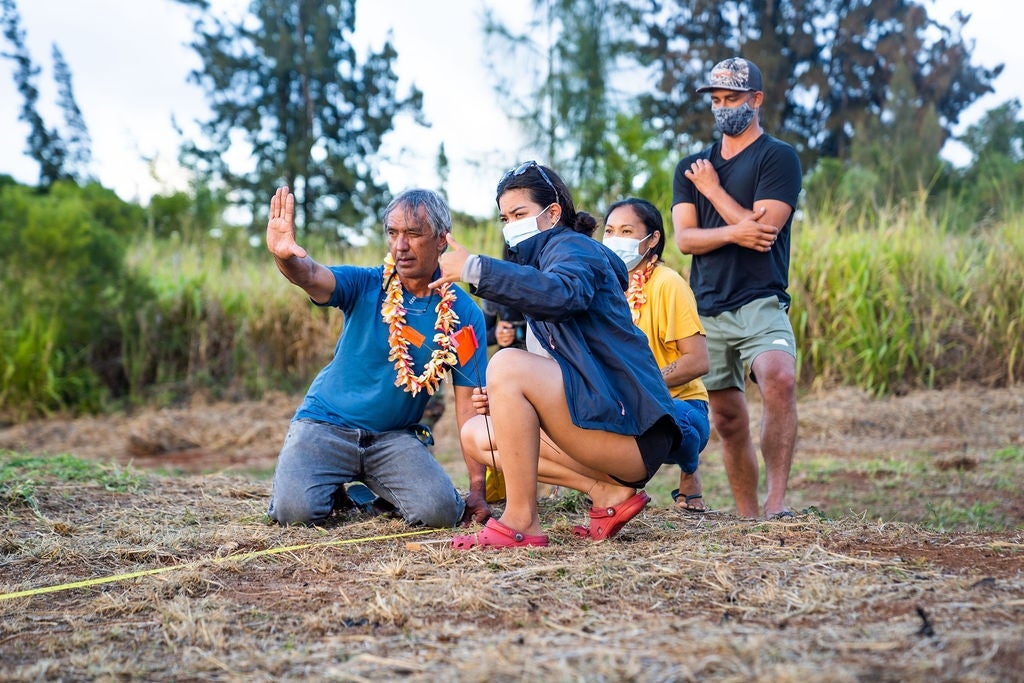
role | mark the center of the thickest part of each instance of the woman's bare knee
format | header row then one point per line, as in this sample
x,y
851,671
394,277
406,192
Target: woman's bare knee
x,y
477,437
508,368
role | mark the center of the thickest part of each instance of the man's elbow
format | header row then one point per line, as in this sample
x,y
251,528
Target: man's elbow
x,y
683,243
688,247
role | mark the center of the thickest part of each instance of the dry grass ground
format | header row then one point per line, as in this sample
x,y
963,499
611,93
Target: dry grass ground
x,y
884,577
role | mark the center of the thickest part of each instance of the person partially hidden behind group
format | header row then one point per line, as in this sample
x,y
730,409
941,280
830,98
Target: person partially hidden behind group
x,y
663,306
588,385
505,325
506,328
360,418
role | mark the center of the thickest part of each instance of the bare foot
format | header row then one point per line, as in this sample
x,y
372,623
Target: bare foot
x,y
604,495
689,495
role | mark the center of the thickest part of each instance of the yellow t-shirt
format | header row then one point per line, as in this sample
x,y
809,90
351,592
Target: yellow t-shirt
x,y
670,314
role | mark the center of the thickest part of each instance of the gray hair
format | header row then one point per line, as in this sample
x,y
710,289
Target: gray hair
x,y
409,202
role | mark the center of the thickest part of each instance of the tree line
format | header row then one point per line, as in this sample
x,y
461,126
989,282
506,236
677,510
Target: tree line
x,y
99,309
867,91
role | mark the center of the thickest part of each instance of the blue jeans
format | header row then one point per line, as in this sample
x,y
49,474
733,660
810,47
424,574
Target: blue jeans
x,y
317,458
692,418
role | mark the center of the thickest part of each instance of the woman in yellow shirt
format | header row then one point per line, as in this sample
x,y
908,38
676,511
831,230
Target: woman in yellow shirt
x,y
664,308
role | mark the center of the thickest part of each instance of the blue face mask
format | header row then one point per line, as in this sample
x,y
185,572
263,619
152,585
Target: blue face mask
x,y
627,249
734,120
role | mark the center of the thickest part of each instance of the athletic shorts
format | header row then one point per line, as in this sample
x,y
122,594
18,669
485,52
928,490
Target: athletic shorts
x,y
655,446
736,338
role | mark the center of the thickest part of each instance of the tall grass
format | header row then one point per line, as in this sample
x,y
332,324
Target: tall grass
x,y
908,304
222,320
32,364
889,306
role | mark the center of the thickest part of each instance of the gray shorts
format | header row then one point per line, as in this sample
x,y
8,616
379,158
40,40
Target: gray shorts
x,y
735,338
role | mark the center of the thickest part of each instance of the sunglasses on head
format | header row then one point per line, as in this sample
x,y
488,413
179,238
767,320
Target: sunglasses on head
x,y
526,166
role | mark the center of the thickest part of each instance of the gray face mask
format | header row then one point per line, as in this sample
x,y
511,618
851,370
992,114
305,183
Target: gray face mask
x,y
734,120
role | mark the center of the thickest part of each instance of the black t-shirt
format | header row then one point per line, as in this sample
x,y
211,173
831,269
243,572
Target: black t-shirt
x,y
732,276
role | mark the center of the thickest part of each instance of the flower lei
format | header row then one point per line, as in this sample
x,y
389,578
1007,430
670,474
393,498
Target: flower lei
x,y
635,293
441,359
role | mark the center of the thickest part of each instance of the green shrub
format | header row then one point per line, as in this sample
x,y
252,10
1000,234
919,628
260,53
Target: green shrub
x,y
62,272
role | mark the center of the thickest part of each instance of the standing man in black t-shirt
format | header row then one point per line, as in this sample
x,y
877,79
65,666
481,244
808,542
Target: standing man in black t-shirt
x,y
732,209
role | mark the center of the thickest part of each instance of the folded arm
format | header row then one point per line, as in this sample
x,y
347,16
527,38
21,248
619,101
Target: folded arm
x,y
756,229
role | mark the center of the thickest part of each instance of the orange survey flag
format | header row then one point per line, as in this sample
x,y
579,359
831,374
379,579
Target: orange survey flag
x,y
465,344
413,336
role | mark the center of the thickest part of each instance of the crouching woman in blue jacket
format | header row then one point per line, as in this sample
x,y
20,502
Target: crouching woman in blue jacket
x,y
587,384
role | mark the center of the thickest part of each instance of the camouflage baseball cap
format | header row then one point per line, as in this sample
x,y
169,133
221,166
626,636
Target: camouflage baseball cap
x,y
736,74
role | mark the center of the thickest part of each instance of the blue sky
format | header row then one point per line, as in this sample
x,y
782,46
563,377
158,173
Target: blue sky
x,y
129,62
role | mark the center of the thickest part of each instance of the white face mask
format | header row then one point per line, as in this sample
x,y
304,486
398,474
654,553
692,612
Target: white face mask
x,y
521,230
627,249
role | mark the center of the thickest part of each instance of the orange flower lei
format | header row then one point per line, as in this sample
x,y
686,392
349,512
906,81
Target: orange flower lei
x,y
443,357
635,294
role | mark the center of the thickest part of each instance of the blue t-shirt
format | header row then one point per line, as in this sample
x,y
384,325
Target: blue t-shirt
x,y
356,390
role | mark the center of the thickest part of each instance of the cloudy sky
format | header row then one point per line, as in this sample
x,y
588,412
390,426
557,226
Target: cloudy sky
x,y
129,61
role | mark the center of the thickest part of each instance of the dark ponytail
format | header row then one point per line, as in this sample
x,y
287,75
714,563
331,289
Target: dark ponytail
x,y
585,224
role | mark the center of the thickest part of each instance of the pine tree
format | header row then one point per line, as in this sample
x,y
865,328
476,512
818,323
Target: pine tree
x,y
285,81
568,57
78,143
828,66
45,145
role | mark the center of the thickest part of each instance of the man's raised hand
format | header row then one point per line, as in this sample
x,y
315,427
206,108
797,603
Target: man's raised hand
x,y
281,226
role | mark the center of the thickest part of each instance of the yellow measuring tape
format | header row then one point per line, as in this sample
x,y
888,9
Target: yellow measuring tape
x,y
215,560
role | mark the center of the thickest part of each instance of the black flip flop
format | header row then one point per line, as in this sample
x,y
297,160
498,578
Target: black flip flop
x,y
686,500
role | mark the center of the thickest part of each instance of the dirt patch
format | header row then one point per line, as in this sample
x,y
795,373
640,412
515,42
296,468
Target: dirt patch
x,y
906,563
855,454
947,421
210,436
189,583
200,437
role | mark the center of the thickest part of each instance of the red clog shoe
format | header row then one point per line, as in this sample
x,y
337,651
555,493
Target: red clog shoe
x,y
497,535
606,522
